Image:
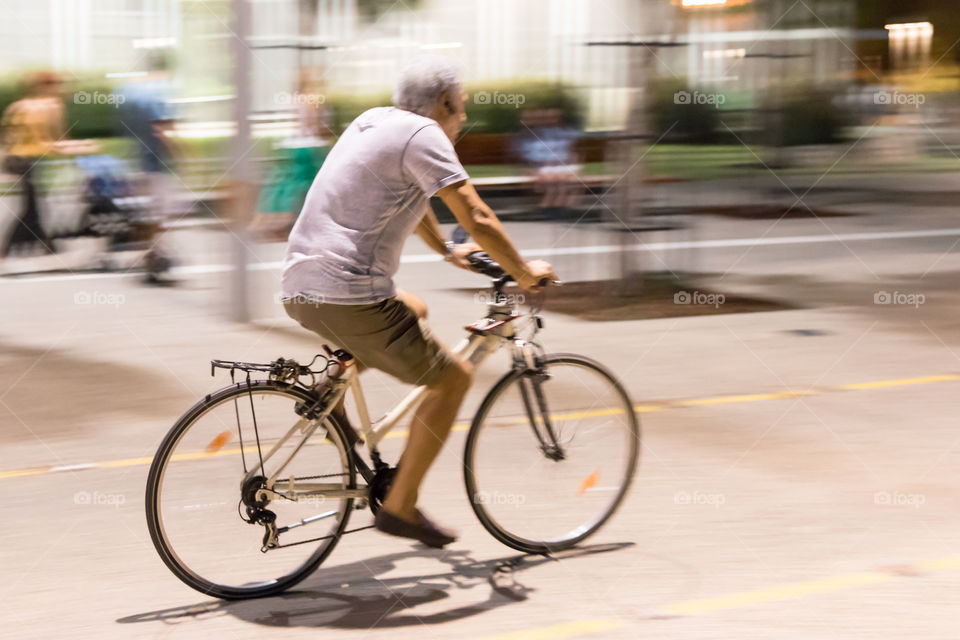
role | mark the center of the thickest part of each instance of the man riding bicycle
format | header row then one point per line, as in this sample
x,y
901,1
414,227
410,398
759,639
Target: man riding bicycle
x,y
371,193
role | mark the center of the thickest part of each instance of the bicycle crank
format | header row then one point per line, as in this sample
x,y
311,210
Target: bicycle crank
x,y
377,488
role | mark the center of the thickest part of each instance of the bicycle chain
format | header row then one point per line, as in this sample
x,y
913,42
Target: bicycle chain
x,y
327,537
332,535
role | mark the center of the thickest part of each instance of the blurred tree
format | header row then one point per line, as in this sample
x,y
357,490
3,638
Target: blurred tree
x,y
372,9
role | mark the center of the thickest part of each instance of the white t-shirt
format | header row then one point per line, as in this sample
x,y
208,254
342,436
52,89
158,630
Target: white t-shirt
x,y
367,198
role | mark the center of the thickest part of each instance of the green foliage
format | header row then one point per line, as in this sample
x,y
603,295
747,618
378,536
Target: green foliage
x,y
343,107
373,9
91,118
490,108
808,115
499,108
682,121
801,115
11,90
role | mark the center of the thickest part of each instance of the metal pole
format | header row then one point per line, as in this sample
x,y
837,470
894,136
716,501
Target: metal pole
x,y
240,174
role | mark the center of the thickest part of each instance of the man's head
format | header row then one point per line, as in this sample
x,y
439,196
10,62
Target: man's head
x,y
431,86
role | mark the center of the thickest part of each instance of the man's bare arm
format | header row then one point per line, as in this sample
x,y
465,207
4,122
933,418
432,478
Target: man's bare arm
x,y
482,224
430,232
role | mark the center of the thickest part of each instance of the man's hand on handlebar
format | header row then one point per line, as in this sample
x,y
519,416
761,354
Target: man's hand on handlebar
x,y
539,274
458,255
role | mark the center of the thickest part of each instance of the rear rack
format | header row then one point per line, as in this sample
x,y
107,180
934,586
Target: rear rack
x,y
286,369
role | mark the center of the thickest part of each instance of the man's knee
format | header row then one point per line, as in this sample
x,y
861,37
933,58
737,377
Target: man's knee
x,y
414,303
456,378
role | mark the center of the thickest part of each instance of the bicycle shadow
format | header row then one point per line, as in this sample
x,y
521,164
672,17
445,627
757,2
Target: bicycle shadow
x,y
361,600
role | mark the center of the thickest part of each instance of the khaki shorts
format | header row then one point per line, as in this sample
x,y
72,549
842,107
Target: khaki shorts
x,y
385,335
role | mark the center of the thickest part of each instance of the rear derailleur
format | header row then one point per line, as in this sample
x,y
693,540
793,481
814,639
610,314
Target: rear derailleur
x,y
254,499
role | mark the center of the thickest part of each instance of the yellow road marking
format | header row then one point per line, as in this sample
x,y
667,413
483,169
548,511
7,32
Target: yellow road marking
x,y
756,397
897,383
807,587
24,472
941,564
566,630
742,599
774,594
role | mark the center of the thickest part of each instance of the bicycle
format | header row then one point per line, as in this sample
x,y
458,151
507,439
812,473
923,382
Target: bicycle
x,y
530,464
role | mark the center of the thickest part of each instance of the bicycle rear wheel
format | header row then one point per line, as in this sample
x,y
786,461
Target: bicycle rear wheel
x,y
551,454
196,496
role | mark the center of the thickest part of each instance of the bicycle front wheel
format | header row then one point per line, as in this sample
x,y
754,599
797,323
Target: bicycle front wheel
x,y
197,495
551,453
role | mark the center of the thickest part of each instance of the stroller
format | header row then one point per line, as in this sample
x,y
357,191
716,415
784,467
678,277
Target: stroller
x,y
113,210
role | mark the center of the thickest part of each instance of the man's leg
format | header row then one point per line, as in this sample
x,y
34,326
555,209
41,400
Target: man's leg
x,y
431,424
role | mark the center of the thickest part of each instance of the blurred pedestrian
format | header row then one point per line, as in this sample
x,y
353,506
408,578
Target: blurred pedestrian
x,y
299,159
31,129
147,119
547,146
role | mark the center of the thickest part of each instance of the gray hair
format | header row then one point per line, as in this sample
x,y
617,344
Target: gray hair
x,y
424,80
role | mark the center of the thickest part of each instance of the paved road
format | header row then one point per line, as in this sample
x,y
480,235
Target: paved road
x,y
797,480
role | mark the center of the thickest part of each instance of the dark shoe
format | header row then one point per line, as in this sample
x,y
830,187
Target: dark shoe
x,y
157,280
425,531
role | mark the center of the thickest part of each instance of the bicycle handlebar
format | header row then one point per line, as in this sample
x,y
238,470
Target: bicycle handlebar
x,y
483,263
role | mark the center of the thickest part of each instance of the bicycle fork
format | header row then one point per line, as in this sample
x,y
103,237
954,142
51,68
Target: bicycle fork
x,y
532,377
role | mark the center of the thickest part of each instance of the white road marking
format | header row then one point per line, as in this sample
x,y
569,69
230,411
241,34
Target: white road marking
x,y
72,467
202,269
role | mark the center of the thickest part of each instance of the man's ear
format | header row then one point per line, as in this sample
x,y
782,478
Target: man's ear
x,y
446,101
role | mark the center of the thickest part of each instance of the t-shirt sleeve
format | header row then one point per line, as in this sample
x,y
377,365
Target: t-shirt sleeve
x,y
431,161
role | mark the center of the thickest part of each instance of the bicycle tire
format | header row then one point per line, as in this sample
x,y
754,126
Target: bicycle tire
x,y
155,478
488,522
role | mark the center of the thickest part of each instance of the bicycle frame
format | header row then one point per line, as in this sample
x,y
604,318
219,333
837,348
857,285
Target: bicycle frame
x,y
486,336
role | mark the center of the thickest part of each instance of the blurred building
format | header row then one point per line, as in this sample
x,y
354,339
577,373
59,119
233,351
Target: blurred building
x,y
357,46
83,35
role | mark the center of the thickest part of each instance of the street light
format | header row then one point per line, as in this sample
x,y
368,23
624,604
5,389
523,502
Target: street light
x,y
909,41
